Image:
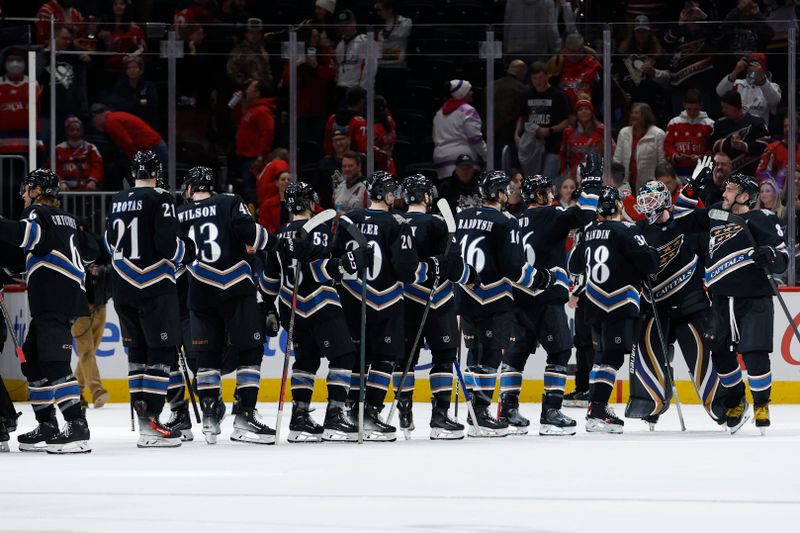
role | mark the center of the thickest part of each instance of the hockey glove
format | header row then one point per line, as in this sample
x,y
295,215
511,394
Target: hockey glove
x,y
765,257
272,323
296,249
445,267
701,176
590,185
190,251
357,260
543,279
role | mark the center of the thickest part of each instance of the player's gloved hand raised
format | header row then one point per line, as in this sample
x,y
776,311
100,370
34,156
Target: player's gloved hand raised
x,y
701,177
358,259
765,256
272,323
590,185
296,249
543,279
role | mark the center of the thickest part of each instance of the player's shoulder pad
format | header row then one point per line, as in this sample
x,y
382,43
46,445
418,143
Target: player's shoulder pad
x,y
628,224
159,190
400,218
509,215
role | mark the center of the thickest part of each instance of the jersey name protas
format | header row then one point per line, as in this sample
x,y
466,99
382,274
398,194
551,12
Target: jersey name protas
x,y
128,205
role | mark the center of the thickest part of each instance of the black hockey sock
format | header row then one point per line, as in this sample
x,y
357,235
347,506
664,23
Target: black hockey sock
x,y
248,379
338,384
408,383
302,385
378,378
482,381
510,380
135,379
555,379
601,383
154,387
441,380
759,376
208,383
731,378
176,389
67,396
584,357
40,394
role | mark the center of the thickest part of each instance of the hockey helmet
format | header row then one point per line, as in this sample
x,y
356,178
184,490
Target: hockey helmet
x,y
44,178
201,179
533,185
415,186
609,196
492,183
380,184
747,184
653,199
299,197
592,167
145,165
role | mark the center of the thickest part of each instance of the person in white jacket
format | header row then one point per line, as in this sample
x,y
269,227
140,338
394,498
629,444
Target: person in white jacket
x,y
760,96
640,146
457,130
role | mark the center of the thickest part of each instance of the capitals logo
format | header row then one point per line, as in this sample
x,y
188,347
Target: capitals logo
x,y
668,252
720,235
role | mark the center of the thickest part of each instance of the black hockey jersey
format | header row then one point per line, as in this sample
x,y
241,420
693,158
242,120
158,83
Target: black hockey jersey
x,y
543,233
316,277
395,261
142,238
730,269
430,239
613,257
54,262
221,228
490,243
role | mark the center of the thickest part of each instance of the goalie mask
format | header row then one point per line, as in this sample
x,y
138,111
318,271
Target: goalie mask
x,y
653,199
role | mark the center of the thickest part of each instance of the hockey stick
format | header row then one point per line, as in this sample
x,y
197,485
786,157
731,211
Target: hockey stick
x,y
11,332
665,351
361,241
458,383
307,228
185,371
468,398
725,216
444,209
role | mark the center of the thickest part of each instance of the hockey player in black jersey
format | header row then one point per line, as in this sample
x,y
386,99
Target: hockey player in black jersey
x,y
223,306
56,295
320,329
440,330
742,314
395,262
142,237
539,315
490,243
614,257
682,309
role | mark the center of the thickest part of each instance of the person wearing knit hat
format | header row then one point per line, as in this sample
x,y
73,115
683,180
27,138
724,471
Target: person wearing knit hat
x,y
760,95
327,5
739,134
457,129
577,141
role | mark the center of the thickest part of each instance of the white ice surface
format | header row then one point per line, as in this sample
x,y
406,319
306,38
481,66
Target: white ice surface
x,y
703,480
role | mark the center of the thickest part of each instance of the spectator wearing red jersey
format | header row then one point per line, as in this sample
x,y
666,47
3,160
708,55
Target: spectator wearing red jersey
x,y
688,135
256,133
316,69
577,141
352,117
62,12
272,212
385,136
267,185
79,164
122,36
576,67
14,105
198,12
128,132
774,161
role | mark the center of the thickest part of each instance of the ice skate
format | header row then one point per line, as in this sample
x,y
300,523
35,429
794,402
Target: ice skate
x,y
338,427
405,416
601,419
761,417
376,429
509,412
736,416
577,399
35,440
180,420
489,426
152,433
554,422
442,426
651,420
302,427
247,427
73,438
4,437
213,415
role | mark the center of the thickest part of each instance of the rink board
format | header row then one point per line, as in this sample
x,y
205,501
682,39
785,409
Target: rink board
x,y
113,364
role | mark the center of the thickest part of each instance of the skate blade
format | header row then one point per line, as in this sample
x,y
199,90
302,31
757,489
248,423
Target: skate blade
x,y
157,442
240,435
514,431
333,435
304,436
32,447
79,446
187,435
598,426
547,430
651,426
762,430
377,436
445,434
583,404
407,434
741,423
4,447
487,432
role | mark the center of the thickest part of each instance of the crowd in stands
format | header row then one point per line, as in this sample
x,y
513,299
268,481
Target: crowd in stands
x,y
683,87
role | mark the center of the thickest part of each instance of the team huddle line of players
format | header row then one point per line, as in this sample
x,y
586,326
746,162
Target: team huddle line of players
x,y
197,273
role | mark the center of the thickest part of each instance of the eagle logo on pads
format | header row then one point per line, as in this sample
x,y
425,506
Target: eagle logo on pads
x,y
720,235
669,251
